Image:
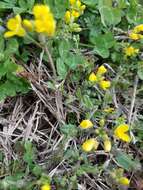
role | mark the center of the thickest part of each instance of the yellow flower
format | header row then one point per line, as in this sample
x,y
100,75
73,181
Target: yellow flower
x,y
134,36
75,14
105,84
120,132
124,181
40,11
83,7
46,187
92,77
44,20
131,51
72,2
138,28
90,144
67,17
107,145
101,70
78,4
15,27
27,24
85,124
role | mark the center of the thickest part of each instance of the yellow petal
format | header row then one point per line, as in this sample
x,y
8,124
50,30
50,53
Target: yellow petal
x,y
9,34
40,11
27,24
122,128
78,4
107,145
105,84
67,17
89,145
92,77
39,27
134,36
119,132
124,181
72,2
101,70
20,32
75,14
83,7
50,28
46,187
85,124
12,24
125,137
131,51
138,28
18,18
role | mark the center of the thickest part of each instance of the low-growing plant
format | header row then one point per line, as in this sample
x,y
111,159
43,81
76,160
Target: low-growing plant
x,y
82,59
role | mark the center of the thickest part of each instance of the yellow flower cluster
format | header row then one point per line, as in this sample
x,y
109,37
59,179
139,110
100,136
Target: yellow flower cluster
x,y
46,187
131,51
99,78
121,132
15,27
44,20
44,23
136,33
76,9
92,143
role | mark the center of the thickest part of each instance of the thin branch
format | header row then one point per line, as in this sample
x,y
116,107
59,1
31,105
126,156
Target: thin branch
x,y
133,99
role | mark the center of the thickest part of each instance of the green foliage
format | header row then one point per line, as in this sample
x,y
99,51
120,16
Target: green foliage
x,y
127,162
103,42
68,59
10,83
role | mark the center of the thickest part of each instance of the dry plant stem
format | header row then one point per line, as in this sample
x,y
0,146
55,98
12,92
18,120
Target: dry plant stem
x,y
50,61
58,98
46,49
133,99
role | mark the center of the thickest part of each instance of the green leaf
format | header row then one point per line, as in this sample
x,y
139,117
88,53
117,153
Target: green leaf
x,y
103,42
64,48
74,60
69,130
37,170
91,3
127,162
7,5
109,15
29,153
87,168
1,44
61,68
140,70
11,47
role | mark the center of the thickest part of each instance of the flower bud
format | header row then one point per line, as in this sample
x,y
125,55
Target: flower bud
x,y
67,17
46,187
90,144
85,124
107,145
124,181
92,77
101,70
